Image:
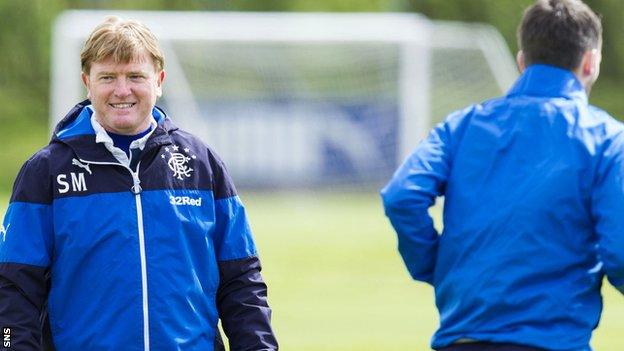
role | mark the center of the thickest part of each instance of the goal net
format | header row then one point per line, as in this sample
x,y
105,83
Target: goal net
x,y
305,100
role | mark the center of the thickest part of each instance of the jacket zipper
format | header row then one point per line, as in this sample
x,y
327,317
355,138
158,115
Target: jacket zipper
x,y
136,190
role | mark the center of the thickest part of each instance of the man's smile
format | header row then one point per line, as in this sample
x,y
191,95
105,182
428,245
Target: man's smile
x,y
122,105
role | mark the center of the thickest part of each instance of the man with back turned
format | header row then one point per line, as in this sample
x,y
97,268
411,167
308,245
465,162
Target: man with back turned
x,y
534,195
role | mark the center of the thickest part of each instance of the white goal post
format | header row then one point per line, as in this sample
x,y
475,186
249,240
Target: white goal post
x,y
304,99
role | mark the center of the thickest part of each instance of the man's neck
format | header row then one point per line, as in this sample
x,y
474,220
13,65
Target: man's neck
x,y
123,141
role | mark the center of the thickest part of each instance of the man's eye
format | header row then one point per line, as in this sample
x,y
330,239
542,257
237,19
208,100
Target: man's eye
x,y
136,77
106,78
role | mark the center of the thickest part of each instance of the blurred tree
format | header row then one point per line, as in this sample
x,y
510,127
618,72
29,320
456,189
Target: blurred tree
x,y
24,84
505,15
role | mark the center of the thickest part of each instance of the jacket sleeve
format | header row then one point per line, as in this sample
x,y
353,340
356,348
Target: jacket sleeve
x,y
242,295
607,209
25,252
408,196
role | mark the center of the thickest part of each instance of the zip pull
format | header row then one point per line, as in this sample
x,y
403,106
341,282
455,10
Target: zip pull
x,y
136,187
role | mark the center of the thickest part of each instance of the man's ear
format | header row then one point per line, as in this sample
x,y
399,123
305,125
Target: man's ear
x,y
590,62
520,61
85,81
159,81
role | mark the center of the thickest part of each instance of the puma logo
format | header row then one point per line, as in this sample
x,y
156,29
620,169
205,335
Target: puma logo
x,y
75,162
4,230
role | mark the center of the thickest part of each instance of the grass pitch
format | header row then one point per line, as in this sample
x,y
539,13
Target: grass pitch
x,y
336,281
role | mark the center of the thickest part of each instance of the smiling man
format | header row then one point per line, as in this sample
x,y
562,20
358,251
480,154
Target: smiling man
x,y
125,232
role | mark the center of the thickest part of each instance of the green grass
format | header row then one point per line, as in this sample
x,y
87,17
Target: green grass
x,y
336,281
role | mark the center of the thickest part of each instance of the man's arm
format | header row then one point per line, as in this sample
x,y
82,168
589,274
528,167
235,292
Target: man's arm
x,y
243,307
408,196
608,209
23,294
242,296
25,251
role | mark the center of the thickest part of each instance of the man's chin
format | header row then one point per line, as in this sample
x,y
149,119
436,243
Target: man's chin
x,y
123,128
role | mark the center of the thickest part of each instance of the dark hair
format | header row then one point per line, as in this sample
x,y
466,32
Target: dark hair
x,y
558,33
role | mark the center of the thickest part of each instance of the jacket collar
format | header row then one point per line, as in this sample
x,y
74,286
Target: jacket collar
x,y
101,136
548,81
78,132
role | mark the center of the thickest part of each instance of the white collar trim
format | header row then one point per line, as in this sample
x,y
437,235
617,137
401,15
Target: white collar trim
x,y
101,136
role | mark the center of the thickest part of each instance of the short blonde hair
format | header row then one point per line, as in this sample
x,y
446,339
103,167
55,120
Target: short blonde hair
x,y
123,40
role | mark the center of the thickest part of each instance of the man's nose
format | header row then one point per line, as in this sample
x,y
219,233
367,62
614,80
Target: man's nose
x,y
122,88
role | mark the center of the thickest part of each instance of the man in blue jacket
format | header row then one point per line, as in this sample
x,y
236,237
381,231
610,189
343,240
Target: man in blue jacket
x,y
534,199
125,232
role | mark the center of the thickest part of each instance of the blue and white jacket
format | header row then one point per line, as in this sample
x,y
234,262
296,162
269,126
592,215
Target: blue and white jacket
x,y
533,214
96,255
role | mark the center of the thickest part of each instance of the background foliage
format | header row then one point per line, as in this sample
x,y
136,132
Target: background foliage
x,y
25,32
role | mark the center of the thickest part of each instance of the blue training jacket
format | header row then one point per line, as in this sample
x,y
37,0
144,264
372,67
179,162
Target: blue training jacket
x,y
533,214
129,260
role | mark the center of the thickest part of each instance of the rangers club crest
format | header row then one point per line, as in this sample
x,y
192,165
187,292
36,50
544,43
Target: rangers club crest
x,y
179,161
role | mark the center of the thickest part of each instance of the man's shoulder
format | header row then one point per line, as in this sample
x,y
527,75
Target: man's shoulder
x,y
457,120
604,117
602,124
181,135
187,139
46,156
591,118
484,107
223,184
204,154
32,182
